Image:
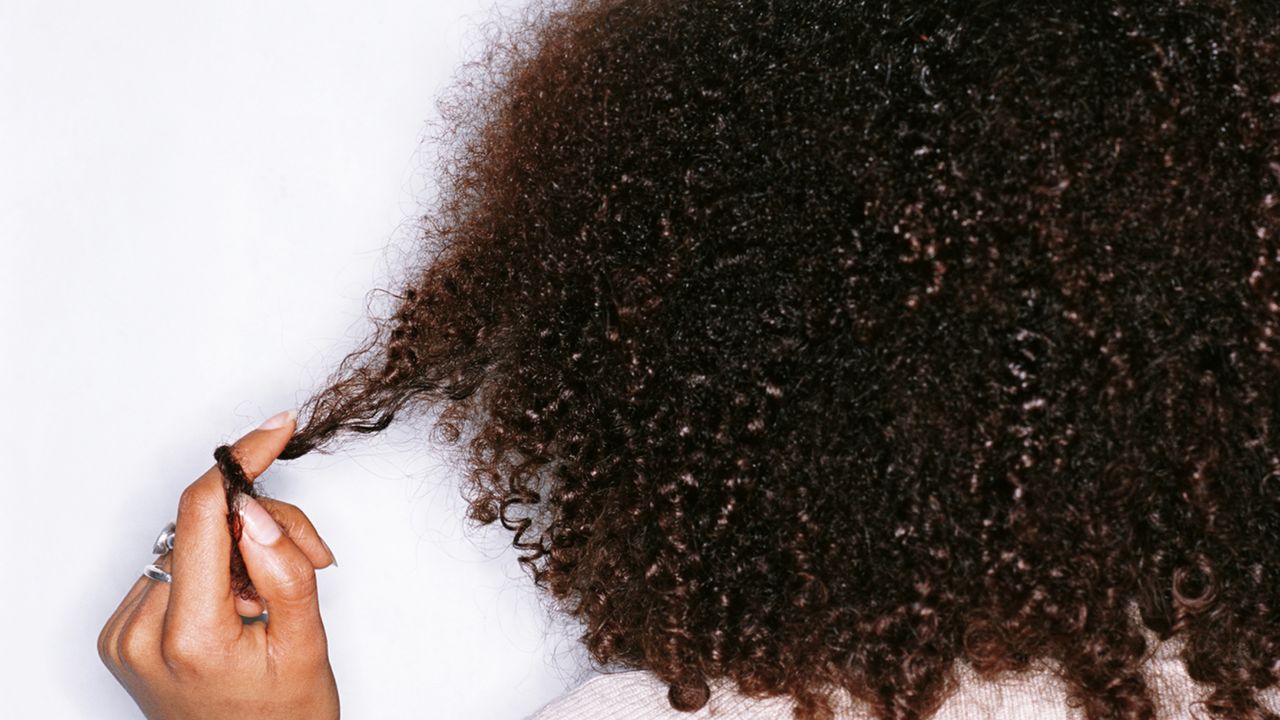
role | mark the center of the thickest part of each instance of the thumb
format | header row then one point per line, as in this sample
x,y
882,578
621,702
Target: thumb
x,y
258,448
284,577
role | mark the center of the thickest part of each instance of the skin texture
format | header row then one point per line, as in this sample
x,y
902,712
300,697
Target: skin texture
x,y
822,344
183,651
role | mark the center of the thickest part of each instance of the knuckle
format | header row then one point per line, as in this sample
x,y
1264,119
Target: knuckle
x,y
133,648
106,645
185,650
290,518
297,585
201,499
295,524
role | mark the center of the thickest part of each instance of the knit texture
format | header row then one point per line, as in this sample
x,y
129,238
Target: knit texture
x,y
1034,695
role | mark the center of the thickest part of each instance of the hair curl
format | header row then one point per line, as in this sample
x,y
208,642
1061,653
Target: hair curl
x,y
820,344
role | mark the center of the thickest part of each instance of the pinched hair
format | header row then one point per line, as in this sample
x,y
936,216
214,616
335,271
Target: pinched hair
x,y
818,344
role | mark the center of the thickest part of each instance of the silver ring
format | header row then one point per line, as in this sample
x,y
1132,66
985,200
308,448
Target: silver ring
x,y
154,572
164,541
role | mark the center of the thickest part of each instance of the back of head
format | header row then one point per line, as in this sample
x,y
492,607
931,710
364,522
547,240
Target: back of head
x,y
820,344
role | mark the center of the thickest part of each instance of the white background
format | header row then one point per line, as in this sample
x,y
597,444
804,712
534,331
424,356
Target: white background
x,y
195,201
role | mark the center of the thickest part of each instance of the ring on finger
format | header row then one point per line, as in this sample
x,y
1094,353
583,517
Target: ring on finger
x,y
164,541
154,572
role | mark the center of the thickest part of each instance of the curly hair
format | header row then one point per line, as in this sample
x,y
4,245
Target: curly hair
x,y
819,344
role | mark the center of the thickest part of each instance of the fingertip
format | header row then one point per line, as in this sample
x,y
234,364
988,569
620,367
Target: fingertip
x,y
258,448
259,526
333,560
285,580
299,528
271,556
282,419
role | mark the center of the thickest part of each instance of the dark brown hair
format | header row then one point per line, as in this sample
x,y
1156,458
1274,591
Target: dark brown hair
x,y
820,344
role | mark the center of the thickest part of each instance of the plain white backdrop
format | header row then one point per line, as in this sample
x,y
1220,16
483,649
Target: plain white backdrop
x,y
195,201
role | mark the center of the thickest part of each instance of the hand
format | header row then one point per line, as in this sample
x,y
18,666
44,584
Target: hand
x,y
183,651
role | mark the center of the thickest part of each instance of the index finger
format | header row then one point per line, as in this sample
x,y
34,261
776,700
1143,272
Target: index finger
x,y
201,600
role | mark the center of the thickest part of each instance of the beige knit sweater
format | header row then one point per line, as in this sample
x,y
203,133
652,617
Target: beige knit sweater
x,y
1034,695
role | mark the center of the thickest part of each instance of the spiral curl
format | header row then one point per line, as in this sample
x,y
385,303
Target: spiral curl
x,y
818,345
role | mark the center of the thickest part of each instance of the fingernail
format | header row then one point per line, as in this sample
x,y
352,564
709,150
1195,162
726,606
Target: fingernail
x,y
332,557
278,420
258,523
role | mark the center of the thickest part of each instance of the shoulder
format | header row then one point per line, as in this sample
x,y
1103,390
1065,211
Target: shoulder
x,y
640,695
1038,694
